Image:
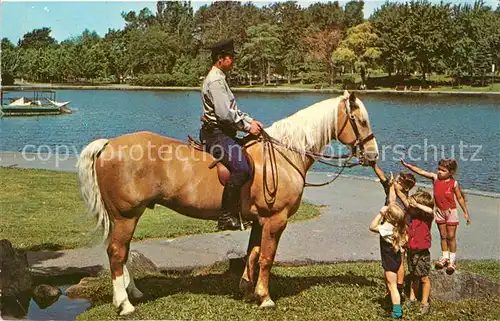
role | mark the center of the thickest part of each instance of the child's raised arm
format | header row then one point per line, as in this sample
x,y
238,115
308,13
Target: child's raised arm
x,y
424,208
392,190
376,221
417,170
379,172
401,195
461,200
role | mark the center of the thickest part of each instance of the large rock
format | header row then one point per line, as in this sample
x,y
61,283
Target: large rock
x,y
86,289
45,295
140,266
92,288
461,285
15,281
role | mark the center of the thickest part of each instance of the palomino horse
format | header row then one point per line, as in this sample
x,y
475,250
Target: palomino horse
x,y
122,176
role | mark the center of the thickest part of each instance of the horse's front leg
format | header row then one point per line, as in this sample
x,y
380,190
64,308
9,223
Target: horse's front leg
x,y
272,229
118,248
247,282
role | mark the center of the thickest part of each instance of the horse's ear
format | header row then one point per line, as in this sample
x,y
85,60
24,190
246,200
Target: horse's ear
x,y
352,98
346,94
352,101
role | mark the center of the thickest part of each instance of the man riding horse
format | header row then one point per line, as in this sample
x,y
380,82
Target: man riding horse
x,y
221,121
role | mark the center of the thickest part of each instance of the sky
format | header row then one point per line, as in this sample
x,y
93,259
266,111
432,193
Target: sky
x,y
70,18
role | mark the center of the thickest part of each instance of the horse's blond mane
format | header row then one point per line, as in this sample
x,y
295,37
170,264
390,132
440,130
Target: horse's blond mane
x,y
309,129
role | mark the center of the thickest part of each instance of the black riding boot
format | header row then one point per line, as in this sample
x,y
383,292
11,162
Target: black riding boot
x,y
229,218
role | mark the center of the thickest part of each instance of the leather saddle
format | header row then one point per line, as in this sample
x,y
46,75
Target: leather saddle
x,y
222,170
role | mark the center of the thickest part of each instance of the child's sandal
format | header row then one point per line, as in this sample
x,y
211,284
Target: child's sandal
x,y
451,268
441,263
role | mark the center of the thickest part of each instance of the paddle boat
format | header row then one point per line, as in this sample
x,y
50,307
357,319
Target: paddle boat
x,y
40,102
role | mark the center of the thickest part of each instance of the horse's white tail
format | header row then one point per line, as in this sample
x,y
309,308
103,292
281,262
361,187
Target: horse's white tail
x,y
89,188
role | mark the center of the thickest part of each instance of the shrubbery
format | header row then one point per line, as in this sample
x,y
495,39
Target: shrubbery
x,y
7,79
175,79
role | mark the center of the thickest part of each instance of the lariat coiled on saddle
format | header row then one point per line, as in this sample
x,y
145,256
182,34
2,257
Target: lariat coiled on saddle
x,y
269,143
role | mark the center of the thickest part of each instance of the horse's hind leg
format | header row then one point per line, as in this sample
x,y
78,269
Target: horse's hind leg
x,y
118,248
247,282
272,229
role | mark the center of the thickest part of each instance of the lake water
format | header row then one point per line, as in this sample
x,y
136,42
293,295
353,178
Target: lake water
x,y
63,309
423,129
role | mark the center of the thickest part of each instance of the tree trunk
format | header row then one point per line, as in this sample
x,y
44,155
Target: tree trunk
x,y
289,77
250,78
269,73
332,76
363,76
424,71
262,74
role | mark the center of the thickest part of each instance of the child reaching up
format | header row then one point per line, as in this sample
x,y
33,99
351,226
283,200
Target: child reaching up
x,y
446,188
407,182
420,208
390,224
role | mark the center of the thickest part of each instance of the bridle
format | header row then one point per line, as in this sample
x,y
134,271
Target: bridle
x,y
269,151
359,142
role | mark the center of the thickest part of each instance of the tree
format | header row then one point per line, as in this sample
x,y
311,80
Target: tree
x,y
389,24
323,16
140,21
10,57
220,20
353,14
177,19
88,55
291,22
429,34
65,67
414,34
38,38
152,51
262,48
475,40
320,46
30,63
115,42
359,48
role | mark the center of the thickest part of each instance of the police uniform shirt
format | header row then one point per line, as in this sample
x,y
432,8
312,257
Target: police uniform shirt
x,y
219,104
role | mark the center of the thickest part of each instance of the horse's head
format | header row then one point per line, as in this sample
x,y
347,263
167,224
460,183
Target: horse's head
x,y
354,129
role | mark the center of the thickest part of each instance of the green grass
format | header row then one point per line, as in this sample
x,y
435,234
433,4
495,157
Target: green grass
x,y
42,210
343,291
494,88
438,82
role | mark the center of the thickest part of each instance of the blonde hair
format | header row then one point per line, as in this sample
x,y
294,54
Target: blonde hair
x,y
396,216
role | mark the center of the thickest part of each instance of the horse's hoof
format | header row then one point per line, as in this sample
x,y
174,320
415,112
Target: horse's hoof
x,y
127,308
267,304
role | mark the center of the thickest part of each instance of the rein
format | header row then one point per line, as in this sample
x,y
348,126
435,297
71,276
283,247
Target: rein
x,y
269,148
269,143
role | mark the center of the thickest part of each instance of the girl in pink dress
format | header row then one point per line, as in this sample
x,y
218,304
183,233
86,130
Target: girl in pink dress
x,y
446,188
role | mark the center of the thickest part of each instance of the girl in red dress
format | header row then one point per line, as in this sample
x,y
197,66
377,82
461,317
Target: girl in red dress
x,y
446,188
